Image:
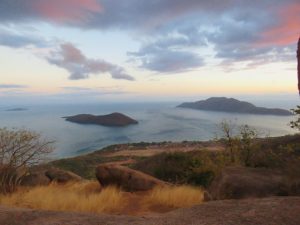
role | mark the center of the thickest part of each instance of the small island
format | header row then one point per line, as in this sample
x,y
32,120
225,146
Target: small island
x,y
231,105
16,109
110,120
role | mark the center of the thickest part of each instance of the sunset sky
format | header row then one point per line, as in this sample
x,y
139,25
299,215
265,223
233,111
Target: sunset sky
x,y
77,50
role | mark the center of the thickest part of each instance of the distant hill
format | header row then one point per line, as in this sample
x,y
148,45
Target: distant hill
x,y
111,120
231,105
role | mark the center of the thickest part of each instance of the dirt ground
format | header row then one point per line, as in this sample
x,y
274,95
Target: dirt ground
x,y
268,211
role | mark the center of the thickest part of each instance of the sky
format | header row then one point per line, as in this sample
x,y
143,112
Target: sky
x,y
138,50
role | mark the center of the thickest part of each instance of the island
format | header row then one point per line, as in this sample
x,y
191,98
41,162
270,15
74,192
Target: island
x,y
16,109
110,120
231,105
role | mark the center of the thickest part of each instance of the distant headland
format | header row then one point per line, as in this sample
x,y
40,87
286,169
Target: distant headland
x,y
110,120
231,105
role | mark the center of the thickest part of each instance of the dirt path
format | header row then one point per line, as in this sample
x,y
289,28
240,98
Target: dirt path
x,y
269,211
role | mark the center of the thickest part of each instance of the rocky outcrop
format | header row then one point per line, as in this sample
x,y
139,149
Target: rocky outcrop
x,y
231,105
242,182
111,120
125,178
298,56
269,211
61,176
35,179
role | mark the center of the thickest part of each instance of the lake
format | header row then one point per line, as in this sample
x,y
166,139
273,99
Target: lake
x,y
157,122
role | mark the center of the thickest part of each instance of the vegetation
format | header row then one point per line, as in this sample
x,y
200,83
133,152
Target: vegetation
x,y
175,196
79,197
88,197
240,143
19,149
296,124
195,168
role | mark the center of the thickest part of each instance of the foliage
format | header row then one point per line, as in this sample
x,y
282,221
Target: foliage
x,y
296,124
195,168
19,149
240,142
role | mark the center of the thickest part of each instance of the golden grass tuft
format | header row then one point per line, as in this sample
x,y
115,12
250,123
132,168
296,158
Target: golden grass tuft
x,y
89,197
78,197
175,196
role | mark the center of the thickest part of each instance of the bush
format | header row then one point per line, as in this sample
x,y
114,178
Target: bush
x,y
19,149
296,124
195,168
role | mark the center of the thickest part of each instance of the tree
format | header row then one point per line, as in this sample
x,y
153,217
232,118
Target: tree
x,y
296,124
239,142
231,140
247,143
19,149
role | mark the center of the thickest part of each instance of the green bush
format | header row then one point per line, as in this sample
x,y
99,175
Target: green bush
x,y
195,168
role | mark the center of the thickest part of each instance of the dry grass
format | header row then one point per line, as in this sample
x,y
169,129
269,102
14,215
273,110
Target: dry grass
x,y
175,196
88,197
79,197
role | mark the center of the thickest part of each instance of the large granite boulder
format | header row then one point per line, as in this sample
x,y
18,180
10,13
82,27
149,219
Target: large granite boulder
x,y
62,176
125,178
35,179
242,182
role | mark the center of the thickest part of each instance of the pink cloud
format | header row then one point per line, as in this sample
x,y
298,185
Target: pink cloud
x,y
287,30
70,11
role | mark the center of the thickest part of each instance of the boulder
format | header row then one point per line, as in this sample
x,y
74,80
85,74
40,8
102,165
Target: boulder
x,y
61,176
125,178
242,182
35,179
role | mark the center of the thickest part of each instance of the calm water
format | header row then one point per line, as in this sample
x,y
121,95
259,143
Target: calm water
x,y
157,122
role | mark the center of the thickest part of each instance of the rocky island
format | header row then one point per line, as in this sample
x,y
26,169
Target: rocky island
x,y
110,120
231,105
16,109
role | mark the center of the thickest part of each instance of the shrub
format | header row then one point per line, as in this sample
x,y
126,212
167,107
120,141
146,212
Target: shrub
x,y
195,168
296,124
19,149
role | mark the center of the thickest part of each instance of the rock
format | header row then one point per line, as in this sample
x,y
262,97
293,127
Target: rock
x,y
113,119
125,178
298,56
61,176
35,179
242,182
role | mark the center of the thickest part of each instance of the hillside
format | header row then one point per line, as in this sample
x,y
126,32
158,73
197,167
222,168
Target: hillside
x,y
231,105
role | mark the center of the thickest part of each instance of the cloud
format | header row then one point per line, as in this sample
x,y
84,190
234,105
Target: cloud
x,y
57,11
12,86
167,61
172,32
19,40
84,91
80,67
286,27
